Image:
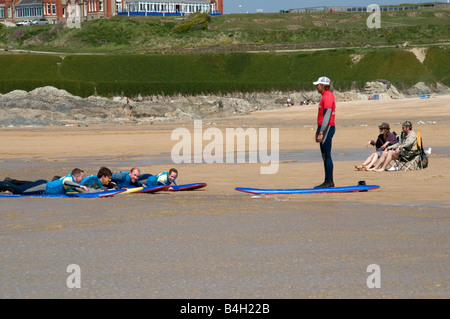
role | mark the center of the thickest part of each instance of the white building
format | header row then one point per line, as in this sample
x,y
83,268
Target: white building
x,y
169,7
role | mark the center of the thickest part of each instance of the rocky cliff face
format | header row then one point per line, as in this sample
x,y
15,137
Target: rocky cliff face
x,y
50,106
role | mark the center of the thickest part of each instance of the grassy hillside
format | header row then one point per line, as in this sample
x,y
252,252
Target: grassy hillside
x,y
134,34
201,54
219,73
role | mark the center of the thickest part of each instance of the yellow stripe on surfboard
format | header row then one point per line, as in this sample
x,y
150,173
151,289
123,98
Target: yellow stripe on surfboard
x,y
132,190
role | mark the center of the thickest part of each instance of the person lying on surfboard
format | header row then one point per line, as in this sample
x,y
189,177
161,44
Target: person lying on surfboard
x,y
63,185
101,181
165,178
127,179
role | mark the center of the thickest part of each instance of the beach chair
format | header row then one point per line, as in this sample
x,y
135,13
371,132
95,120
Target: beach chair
x,y
417,161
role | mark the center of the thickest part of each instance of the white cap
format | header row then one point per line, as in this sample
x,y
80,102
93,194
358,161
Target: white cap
x,y
322,80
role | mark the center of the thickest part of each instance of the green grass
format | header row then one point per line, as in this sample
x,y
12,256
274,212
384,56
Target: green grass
x,y
170,55
123,34
219,73
399,67
438,62
25,67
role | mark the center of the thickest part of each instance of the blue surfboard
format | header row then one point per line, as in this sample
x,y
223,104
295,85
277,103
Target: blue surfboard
x,y
187,187
70,195
342,189
99,194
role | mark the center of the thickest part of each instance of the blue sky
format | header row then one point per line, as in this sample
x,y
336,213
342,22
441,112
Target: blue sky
x,y
250,6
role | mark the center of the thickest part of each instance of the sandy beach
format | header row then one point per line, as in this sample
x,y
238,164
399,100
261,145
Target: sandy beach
x,y
125,146
220,243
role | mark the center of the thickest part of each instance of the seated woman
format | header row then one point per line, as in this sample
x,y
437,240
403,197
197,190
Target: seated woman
x,y
385,139
406,147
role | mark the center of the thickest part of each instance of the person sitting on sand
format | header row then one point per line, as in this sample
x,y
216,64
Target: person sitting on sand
x,y
385,139
63,185
406,147
165,178
289,102
127,179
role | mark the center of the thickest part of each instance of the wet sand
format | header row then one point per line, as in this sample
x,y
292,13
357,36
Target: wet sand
x,y
219,243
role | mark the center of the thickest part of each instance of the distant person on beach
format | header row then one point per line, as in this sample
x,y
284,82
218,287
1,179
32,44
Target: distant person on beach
x,y
385,139
325,128
63,185
127,179
406,147
289,102
128,104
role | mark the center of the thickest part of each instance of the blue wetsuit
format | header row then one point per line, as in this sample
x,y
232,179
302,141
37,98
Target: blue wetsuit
x,y
160,179
325,150
37,187
59,186
123,180
93,182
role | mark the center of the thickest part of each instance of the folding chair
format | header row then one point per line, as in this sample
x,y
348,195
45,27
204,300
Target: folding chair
x,y
412,162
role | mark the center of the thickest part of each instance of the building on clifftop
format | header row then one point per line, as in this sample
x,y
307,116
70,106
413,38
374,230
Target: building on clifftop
x,y
169,7
57,10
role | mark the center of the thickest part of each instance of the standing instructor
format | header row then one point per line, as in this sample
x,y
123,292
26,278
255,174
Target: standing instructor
x,y
325,128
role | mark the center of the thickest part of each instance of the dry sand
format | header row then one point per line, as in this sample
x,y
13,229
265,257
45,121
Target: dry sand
x,y
220,243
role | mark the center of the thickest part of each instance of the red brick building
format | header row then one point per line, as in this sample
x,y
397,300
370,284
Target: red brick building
x,y
7,9
56,10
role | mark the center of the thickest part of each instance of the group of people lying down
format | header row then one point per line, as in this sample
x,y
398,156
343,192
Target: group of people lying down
x,y
76,182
